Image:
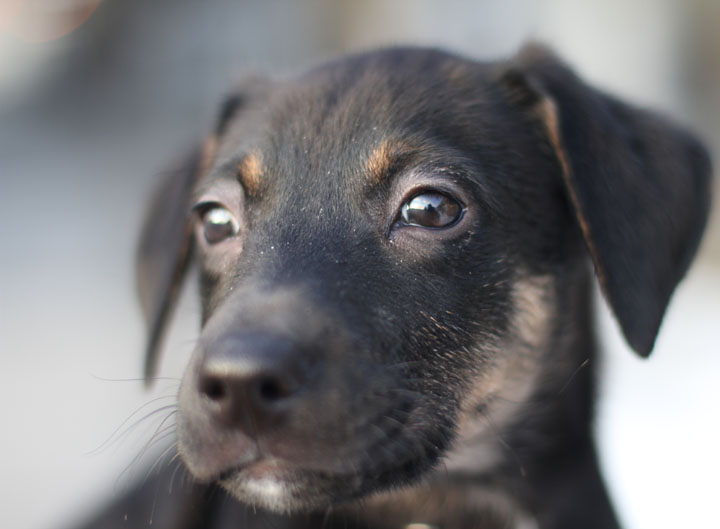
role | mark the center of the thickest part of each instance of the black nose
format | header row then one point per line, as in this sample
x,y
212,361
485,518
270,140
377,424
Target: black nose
x,y
252,382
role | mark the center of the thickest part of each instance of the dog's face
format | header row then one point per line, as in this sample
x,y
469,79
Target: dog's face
x,y
359,276
386,248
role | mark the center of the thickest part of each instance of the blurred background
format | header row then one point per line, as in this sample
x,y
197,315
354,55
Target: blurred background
x,y
96,97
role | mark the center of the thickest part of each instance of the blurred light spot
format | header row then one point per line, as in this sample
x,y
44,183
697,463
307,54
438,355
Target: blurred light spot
x,y
9,9
38,21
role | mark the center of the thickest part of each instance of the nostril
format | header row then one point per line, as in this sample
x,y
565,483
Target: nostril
x,y
272,389
251,382
213,388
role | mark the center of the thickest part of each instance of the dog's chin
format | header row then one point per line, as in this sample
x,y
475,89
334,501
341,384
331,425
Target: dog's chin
x,y
276,487
282,488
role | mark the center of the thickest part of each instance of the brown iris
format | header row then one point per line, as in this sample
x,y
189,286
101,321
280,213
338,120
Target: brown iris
x,y
219,224
431,210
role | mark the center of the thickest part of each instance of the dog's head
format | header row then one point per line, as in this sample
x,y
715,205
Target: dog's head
x,y
391,243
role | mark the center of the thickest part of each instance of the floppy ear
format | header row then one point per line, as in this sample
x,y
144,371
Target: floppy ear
x,y
164,252
165,247
638,184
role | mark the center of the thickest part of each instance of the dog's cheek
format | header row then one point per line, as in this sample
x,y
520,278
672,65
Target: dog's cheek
x,y
503,386
215,281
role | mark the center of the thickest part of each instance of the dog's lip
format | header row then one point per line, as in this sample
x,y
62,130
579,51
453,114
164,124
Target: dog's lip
x,y
264,468
267,467
265,464
278,484
260,467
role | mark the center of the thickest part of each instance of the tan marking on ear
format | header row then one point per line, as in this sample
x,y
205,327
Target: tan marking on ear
x,y
548,113
250,170
384,158
207,157
549,116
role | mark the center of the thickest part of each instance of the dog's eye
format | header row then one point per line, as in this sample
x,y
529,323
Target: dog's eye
x,y
219,224
431,210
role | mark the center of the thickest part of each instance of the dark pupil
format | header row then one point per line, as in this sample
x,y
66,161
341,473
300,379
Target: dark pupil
x,y
431,210
218,224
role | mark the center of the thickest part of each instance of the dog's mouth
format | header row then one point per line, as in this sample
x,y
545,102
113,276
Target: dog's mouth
x,y
289,475
282,486
339,433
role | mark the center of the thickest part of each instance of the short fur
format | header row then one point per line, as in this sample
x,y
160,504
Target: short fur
x,y
356,371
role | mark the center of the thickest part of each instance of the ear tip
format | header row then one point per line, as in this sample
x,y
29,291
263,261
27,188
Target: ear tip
x,y
639,317
535,51
642,345
542,64
151,355
150,368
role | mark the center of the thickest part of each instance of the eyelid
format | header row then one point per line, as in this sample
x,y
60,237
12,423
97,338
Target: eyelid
x,y
204,205
224,191
450,181
437,189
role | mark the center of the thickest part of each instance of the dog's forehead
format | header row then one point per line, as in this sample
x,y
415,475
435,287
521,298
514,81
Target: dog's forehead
x,y
356,114
393,89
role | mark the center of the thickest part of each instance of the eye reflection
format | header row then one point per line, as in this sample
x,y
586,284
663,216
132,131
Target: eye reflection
x,y
431,210
219,224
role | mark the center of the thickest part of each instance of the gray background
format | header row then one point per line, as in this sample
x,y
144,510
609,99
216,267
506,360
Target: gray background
x,y
87,120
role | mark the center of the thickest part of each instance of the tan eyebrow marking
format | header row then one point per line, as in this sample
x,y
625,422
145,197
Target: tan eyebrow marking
x,y
385,158
250,170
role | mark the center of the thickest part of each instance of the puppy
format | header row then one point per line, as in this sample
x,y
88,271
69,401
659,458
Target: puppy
x,y
394,254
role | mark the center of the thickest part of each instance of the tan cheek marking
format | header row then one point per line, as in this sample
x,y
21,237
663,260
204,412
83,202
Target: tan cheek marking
x,y
251,170
517,358
508,380
534,309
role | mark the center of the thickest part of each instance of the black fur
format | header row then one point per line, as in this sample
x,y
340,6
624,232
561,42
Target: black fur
x,y
357,371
